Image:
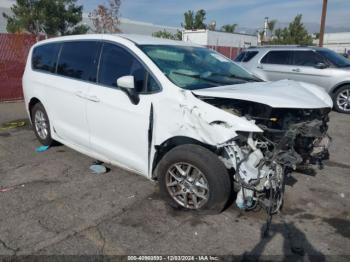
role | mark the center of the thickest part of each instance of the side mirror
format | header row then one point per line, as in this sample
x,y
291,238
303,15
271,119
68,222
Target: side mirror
x,y
321,66
127,84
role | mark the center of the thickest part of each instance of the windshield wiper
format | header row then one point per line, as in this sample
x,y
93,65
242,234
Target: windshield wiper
x,y
236,76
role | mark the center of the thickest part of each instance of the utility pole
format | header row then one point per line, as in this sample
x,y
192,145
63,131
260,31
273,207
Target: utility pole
x,y
323,22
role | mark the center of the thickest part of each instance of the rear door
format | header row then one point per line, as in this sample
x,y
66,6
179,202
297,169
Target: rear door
x,y
305,68
76,73
276,65
119,129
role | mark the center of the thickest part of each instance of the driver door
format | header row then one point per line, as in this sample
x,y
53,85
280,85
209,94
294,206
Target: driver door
x,y
118,127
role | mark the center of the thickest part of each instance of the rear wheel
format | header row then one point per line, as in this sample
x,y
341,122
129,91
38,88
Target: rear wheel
x,y
192,177
341,99
41,124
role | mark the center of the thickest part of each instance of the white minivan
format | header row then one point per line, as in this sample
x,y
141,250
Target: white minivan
x,y
182,114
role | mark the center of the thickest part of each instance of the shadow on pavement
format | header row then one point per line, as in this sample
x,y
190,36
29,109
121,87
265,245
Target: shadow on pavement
x,y
295,245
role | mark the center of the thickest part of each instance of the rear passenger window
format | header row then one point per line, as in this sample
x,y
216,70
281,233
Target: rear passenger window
x,y
307,58
277,58
79,60
44,57
246,56
117,62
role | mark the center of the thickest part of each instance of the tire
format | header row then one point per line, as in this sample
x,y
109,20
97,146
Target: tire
x,y
341,99
41,125
204,170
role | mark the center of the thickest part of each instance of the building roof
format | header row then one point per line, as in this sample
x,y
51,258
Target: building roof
x,y
149,40
136,39
128,26
284,47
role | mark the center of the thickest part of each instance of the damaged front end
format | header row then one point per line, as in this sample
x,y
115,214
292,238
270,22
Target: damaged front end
x,y
261,161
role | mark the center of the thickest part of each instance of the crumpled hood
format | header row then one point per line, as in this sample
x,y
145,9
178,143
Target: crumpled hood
x,y
279,94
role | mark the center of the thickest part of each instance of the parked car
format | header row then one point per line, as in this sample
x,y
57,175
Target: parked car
x,y
177,113
315,65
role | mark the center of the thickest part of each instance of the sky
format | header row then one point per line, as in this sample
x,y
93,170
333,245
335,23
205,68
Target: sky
x,y
246,13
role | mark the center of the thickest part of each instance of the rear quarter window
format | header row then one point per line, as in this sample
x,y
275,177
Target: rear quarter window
x,y
246,56
44,57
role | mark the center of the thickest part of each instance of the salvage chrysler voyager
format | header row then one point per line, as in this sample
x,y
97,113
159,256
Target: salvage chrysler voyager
x,y
178,113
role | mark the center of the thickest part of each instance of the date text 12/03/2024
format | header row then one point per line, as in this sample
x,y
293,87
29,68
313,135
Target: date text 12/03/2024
x,y
173,258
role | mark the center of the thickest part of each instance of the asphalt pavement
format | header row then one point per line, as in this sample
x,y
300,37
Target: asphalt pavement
x,y
51,204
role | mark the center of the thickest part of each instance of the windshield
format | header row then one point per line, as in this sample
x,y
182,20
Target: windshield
x,y
334,58
196,67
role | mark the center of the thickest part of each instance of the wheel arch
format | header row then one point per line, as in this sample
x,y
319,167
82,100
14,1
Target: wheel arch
x,y
33,101
166,146
338,86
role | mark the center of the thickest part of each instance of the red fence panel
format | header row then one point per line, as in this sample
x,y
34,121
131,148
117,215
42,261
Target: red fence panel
x,y
230,52
14,49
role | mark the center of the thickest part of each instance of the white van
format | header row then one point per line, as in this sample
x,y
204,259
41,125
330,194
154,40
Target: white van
x,y
177,113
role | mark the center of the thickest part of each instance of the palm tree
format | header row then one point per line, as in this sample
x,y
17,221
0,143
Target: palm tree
x,y
271,26
229,28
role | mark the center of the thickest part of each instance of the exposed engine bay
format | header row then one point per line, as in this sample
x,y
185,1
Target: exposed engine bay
x,y
261,161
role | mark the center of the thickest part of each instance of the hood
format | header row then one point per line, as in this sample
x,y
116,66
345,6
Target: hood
x,y
279,94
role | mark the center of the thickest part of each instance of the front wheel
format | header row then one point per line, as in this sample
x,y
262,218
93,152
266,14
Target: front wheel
x,y
341,99
192,177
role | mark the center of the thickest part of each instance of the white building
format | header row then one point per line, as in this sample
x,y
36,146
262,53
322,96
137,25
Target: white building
x,y
338,42
215,38
228,44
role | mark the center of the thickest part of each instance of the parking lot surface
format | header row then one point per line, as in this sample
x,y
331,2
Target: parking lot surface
x,y
51,204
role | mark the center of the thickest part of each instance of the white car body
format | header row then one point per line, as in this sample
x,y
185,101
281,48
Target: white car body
x,y
86,117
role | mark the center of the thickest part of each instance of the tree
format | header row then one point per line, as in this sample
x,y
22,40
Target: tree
x,y
49,17
229,28
194,21
271,26
199,20
295,33
189,18
278,33
168,35
106,19
262,36
212,26
178,35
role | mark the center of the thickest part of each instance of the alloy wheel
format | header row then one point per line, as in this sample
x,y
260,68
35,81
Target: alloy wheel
x,y
41,125
343,100
187,185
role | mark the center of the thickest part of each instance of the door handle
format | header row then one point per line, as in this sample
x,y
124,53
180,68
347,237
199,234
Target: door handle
x,y
260,67
84,96
79,94
297,70
93,99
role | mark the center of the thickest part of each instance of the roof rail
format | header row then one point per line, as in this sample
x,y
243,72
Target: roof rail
x,y
278,46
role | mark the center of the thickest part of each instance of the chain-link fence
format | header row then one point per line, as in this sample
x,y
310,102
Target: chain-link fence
x,y
230,52
14,49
